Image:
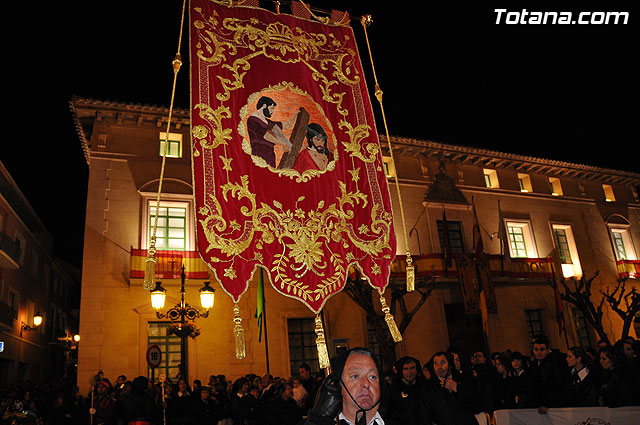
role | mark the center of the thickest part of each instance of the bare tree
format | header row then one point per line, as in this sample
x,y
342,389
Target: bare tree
x,y
624,303
578,293
362,294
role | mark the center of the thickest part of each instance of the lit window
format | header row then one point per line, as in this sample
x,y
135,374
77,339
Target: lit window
x,y
491,178
389,169
563,245
556,187
517,241
622,244
174,145
171,228
567,250
525,183
608,193
520,240
175,230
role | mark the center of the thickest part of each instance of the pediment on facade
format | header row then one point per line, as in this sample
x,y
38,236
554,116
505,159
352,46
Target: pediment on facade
x,y
444,190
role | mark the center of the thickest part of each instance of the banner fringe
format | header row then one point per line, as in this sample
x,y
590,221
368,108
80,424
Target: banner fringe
x,y
391,322
321,343
238,333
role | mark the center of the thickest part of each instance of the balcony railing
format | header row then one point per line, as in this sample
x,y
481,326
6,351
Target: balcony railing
x,y
7,314
628,269
169,264
9,252
515,268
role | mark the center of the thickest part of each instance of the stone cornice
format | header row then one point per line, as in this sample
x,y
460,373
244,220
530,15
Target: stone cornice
x,y
494,159
98,110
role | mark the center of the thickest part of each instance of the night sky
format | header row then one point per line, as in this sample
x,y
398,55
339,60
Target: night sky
x,y
449,74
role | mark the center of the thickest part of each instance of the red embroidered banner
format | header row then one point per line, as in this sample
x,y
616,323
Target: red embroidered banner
x,y
287,169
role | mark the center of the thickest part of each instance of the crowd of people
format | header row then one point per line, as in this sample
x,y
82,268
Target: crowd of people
x,y
448,389
453,387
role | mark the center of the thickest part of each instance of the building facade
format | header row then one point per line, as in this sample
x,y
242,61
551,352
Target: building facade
x,y
33,283
589,216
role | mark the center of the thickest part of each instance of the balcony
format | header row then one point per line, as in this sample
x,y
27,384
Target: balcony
x,y
9,253
7,314
532,269
628,269
169,264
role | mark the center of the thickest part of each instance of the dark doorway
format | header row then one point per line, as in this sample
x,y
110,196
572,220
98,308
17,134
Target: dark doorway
x,y
465,331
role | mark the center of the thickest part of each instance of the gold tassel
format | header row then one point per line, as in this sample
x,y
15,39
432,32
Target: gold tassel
x,y
411,274
238,333
391,323
321,343
150,268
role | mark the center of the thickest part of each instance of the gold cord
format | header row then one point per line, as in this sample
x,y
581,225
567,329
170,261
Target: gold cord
x,y
410,268
176,63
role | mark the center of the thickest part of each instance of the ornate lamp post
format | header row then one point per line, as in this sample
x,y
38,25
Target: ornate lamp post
x,y
181,313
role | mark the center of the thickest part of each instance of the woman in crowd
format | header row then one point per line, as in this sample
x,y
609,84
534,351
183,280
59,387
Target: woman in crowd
x,y
582,388
205,411
517,383
184,402
619,385
283,410
500,382
139,406
239,409
455,400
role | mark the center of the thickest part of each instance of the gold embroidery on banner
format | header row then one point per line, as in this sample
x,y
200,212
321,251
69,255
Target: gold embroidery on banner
x,y
305,237
354,146
214,118
301,234
278,42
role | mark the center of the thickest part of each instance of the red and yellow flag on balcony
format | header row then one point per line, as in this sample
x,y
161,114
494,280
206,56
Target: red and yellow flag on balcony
x,y
287,168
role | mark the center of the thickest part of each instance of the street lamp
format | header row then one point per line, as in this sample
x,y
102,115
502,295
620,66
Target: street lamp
x,y
37,321
182,311
158,295
207,295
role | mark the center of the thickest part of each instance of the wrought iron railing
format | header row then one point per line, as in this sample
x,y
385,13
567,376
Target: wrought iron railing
x,y
10,247
7,314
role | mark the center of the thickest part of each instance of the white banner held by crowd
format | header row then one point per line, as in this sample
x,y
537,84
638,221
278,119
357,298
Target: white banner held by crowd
x,y
570,416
